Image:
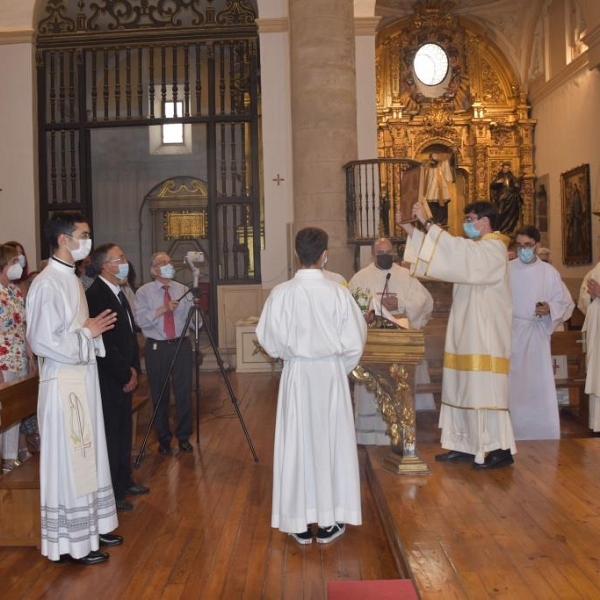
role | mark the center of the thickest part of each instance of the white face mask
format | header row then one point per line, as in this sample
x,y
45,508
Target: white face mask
x,y
85,247
123,271
167,271
14,272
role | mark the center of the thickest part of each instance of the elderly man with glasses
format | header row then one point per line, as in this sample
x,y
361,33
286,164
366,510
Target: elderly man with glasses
x,y
119,370
162,309
474,417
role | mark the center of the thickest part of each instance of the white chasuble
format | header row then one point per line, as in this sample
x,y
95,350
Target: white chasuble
x,y
474,416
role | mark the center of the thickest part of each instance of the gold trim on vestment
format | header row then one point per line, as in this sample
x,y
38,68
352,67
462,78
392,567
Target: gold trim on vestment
x,y
477,362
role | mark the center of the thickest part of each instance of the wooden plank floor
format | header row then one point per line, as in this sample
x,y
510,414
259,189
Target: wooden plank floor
x,y
204,530
528,531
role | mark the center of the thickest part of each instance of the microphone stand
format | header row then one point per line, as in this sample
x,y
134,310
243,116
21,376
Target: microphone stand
x,y
387,280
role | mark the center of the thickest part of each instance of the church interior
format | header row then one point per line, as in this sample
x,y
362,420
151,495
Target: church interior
x,y
220,128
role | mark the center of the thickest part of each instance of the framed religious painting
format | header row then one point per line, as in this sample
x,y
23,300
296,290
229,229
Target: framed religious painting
x,y
576,216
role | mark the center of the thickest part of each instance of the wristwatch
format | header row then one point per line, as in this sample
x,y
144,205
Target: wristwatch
x,y
428,222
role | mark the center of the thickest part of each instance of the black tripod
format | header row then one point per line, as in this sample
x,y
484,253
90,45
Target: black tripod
x,y
199,319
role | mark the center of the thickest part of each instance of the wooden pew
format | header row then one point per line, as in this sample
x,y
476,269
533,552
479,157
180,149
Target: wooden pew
x,y
20,488
570,344
18,399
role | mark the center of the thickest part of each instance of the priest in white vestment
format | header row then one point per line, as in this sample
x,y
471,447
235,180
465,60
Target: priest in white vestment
x,y
77,502
589,305
404,295
315,326
474,416
541,302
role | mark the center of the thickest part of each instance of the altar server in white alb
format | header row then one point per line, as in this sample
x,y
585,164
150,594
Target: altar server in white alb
x,y
404,296
77,501
541,302
474,416
589,305
317,328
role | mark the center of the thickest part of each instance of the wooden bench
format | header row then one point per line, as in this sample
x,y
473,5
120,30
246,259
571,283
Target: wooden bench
x,y
20,488
570,344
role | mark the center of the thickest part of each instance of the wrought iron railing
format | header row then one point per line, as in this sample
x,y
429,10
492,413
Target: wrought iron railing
x,y
374,189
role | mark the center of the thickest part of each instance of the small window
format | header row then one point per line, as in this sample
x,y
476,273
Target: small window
x,y
173,132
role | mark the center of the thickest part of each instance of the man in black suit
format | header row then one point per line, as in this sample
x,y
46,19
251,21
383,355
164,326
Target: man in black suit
x,y
119,369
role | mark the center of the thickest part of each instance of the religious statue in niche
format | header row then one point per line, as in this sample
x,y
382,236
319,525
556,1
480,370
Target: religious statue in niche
x,y
505,193
437,177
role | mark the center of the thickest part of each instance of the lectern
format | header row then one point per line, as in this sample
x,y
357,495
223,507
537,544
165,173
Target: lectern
x,y
387,367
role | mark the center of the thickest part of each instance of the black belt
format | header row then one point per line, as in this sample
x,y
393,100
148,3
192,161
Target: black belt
x,y
173,341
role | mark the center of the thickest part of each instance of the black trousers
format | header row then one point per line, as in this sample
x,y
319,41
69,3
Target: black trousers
x,y
158,357
116,406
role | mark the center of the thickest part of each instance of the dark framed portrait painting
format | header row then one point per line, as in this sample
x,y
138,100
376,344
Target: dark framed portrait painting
x,y
576,216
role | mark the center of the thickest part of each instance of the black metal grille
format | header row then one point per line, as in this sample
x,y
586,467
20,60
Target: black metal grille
x,y
104,66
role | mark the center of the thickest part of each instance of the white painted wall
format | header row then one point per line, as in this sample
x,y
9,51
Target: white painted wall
x,y
568,135
18,148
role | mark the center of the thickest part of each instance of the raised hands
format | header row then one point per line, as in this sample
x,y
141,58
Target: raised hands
x,y
101,323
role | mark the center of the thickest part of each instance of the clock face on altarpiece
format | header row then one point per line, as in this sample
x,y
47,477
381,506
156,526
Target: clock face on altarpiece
x,y
431,64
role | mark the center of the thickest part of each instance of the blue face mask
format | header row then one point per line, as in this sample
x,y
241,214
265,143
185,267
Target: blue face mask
x,y
167,271
123,271
22,260
471,231
526,255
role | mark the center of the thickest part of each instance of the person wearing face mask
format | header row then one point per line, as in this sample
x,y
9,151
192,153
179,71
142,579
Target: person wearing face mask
x,y
77,501
405,296
474,416
119,369
589,304
162,308
541,302
22,282
16,358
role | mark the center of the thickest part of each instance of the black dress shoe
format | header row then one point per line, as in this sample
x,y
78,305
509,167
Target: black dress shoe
x,y
93,558
136,489
123,505
495,460
110,539
164,448
186,447
455,456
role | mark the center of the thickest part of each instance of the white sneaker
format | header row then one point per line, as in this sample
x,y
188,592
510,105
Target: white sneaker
x,y
328,534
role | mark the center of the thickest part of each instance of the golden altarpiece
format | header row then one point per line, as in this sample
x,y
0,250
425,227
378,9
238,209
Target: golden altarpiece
x,y
476,115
